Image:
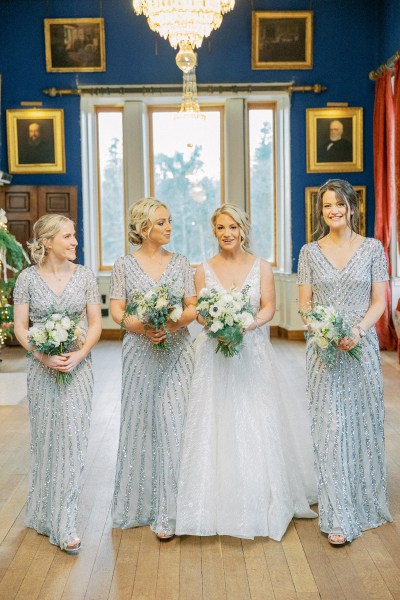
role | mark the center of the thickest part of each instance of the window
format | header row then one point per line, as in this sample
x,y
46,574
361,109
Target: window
x,y
135,146
111,210
186,174
262,201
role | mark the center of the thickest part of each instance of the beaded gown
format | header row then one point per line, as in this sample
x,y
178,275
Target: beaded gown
x,y
246,466
59,414
346,400
155,387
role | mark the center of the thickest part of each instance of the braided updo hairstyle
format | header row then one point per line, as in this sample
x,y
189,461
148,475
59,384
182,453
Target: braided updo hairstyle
x,y
142,215
44,230
241,218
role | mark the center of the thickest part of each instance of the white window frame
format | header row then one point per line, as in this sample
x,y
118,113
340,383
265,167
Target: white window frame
x,y
136,153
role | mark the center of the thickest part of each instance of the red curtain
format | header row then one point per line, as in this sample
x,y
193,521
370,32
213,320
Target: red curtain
x,y
384,190
396,91
396,99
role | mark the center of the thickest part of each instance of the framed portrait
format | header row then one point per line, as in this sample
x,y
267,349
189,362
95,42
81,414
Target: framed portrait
x,y
282,39
311,206
35,140
334,139
74,45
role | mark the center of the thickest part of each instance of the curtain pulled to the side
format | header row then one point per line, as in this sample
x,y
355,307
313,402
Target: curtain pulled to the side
x,y
396,100
384,191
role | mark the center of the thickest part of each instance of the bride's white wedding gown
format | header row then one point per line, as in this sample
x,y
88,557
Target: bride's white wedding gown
x,y
247,464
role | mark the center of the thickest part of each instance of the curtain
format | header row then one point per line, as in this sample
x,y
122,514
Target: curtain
x,y
396,91
384,191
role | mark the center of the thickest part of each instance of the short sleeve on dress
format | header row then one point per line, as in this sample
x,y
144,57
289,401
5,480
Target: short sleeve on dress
x,y
118,287
21,289
379,263
304,273
190,290
92,289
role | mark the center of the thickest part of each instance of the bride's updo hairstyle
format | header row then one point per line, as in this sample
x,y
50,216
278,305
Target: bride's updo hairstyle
x,y
142,215
241,219
44,231
343,191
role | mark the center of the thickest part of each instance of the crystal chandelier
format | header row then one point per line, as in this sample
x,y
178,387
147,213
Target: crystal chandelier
x,y
184,22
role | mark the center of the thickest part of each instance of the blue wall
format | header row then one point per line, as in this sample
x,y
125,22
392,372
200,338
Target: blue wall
x,y
347,45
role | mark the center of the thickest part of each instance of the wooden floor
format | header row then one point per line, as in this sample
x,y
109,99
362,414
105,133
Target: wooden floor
x,y
115,564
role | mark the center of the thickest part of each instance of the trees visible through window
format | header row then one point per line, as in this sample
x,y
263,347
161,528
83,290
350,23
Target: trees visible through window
x,y
186,167
111,186
262,180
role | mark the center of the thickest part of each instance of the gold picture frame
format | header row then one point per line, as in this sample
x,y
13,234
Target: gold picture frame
x,y
35,140
282,39
334,139
75,45
311,204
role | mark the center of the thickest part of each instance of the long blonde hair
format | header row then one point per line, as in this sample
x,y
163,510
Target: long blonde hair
x,y
141,214
44,230
240,217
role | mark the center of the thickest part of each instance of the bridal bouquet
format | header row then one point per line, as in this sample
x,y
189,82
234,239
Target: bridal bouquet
x,y
60,333
328,327
227,315
154,308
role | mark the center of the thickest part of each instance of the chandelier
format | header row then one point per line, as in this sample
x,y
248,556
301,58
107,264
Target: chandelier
x,y
184,22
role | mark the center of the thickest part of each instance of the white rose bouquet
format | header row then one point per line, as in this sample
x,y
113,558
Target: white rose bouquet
x,y
227,315
61,332
327,327
154,308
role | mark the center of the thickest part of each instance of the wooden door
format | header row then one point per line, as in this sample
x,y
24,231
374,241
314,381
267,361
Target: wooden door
x,y
24,204
21,205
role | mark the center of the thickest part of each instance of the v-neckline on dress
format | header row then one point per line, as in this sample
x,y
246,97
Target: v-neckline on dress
x,y
66,285
155,281
348,262
245,279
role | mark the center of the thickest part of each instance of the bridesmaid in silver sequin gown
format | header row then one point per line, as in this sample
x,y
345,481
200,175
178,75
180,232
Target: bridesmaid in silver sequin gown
x,y
59,415
349,272
155,383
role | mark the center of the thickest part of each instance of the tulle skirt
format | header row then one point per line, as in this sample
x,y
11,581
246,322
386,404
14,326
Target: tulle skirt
x,y
247,464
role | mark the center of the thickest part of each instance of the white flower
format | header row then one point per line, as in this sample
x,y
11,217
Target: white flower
x,y
216,326
149,295
49,325
56,317
66,323
176,314
246,319
38,334
215,310
61,332
229,320
321,342
161,302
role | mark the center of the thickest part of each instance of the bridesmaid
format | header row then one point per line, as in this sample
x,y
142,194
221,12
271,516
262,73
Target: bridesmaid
x,y
349,272
59,414
155,383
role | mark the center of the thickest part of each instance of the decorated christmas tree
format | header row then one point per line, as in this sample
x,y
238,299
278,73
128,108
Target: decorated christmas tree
x,y
12,260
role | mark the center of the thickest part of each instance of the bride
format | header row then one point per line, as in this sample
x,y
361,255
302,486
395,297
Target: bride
x,y
246,465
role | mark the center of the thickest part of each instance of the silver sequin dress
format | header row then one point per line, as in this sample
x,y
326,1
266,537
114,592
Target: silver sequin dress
x,y
155,387
247,464
346,400
59,415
